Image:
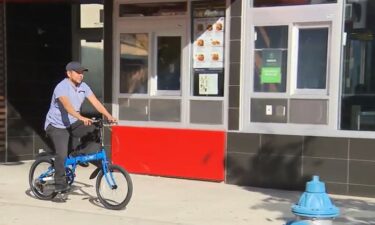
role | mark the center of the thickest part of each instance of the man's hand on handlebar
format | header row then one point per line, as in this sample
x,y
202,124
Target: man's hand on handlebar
x,y
111,119
86,121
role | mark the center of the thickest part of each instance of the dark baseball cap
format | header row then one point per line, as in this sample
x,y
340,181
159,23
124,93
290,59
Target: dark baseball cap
x,y
75,66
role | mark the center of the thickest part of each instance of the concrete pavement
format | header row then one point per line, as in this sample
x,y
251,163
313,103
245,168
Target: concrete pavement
x,y
162,201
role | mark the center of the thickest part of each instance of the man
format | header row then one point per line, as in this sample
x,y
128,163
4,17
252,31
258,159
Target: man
x,y
64,121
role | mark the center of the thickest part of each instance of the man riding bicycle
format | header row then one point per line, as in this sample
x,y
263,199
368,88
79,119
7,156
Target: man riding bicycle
x,y
64,124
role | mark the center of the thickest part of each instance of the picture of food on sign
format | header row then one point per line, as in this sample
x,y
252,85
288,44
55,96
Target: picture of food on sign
x,y
200,42
215,56
200,57
219,26
215,42
209,27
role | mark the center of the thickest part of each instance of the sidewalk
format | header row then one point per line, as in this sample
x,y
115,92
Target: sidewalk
x,y
162,201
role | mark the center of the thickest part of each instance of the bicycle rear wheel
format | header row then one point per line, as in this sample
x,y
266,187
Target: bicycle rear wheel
x,y
42,172
116,196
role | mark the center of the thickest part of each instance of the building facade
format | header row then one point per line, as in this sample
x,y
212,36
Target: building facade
x,y
258,93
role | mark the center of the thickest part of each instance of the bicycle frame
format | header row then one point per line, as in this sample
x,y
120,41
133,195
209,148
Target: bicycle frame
x,y
99,156
113,184
72,162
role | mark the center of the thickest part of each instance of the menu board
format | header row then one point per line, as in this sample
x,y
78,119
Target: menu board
x,y
208,48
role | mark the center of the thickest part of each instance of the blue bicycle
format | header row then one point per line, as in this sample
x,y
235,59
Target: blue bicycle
x,y
114,186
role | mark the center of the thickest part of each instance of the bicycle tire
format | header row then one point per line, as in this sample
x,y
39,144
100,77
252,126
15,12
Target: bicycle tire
x,y
38,191
102,186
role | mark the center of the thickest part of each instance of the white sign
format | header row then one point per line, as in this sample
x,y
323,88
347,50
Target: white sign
x,y
208,84
208,47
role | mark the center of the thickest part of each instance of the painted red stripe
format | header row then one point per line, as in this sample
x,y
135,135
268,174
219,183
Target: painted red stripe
x,y
194,154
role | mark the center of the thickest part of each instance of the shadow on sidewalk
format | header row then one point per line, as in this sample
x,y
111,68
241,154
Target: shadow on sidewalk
x,y
276,201
352,209
76,190
12,163
355,205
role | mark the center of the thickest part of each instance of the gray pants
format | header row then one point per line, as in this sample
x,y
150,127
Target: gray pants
x,y
66,139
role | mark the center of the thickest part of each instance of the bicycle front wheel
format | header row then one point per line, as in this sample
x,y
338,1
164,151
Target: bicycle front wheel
x,y
115,188
40,174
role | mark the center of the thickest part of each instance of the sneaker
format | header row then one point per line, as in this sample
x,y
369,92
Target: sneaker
x,y
57,187
62,187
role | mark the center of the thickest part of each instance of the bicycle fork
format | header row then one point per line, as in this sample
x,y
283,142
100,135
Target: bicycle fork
x,y
108,175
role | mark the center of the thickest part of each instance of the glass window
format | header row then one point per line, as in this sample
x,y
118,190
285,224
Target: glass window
x,y
168,63
271,50
92,58
312,58
358,90
134,50
153,9
269,3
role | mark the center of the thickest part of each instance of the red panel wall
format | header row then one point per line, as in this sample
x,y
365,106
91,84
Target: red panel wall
x,y
194,154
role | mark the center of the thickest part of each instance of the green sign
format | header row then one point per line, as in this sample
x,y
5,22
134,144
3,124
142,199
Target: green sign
x,y
270,75
270,72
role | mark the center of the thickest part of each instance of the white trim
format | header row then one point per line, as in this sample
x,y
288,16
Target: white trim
x,y
179,32
225,97
175,26
172,125
115,63
294,90
306,15
160,25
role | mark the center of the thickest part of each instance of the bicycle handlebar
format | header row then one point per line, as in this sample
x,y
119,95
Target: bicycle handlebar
x,y
101,122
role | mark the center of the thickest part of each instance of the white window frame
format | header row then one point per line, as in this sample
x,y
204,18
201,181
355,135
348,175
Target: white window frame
x,y
291,15
117,83
294,90
154,83
288,49
124,24
152,33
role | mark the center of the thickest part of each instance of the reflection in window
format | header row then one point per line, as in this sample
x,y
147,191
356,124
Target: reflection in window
x,y
358,90
92,57
269,3
312,58
134,63
270,67
169,63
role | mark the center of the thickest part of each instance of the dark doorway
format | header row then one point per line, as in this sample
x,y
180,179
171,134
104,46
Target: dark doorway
x,y
38,47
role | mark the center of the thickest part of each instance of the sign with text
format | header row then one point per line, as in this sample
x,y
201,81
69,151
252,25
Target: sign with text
x,y
271,66
208,84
